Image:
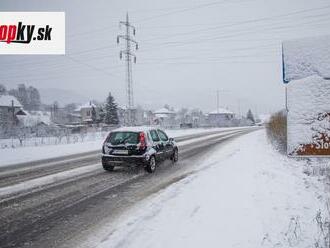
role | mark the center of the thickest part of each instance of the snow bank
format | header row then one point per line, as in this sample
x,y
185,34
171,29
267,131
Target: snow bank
x,y
306,57
244,195
308,105
52,140
32,153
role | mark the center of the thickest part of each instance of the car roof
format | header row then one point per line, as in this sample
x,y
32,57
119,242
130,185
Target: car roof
x,y
135,129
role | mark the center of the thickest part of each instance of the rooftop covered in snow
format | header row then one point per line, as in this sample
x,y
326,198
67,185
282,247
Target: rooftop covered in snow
x,y
8,101
164,111
221,111
86,106
306,57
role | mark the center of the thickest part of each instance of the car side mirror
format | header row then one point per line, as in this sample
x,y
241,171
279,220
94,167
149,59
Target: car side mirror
x,y
171,139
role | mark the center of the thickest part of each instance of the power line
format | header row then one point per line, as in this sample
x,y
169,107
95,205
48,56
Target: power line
x,y
173,10
186,9
90,66
226,36
211,38
245,22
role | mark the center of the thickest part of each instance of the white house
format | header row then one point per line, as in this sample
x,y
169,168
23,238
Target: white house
x,y
164,113
164,117
221,117
10,108
85,112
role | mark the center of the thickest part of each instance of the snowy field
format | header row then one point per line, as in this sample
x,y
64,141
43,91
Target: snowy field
x,y
52,140
92,142
244,195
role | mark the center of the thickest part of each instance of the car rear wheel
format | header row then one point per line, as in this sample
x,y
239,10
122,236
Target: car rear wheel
x,y
151,165
107,167
175,156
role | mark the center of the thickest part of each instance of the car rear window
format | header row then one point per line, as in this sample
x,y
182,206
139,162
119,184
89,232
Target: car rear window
x,y
117,138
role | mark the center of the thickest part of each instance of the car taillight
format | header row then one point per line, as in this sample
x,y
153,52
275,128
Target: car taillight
x,y
142,140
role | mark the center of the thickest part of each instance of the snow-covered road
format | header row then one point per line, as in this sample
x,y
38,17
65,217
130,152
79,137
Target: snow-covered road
x,y
57,204
243,195
64,172
12,156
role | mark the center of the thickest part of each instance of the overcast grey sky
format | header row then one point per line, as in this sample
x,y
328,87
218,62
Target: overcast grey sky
x,y
188,50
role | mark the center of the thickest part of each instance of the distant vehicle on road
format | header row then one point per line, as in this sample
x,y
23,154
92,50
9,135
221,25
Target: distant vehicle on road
x,y
144,146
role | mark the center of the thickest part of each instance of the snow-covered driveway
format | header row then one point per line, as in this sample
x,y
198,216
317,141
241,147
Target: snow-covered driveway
x,y
244,195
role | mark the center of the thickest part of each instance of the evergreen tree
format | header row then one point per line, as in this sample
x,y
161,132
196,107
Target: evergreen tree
x,y
111,111
250,116
101,114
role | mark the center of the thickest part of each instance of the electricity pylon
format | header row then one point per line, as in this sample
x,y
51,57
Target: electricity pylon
x,y
128,58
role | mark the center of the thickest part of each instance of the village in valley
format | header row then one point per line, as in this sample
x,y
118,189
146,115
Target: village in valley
x,y
23,116
161,124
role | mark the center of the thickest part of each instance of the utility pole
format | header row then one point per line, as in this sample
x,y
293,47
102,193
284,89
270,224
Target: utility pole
x,y
128,59
13,123
13,113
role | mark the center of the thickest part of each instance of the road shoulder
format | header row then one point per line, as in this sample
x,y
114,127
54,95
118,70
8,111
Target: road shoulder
x,y
264,201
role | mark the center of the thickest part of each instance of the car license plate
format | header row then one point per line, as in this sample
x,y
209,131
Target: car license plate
x,y
120,152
